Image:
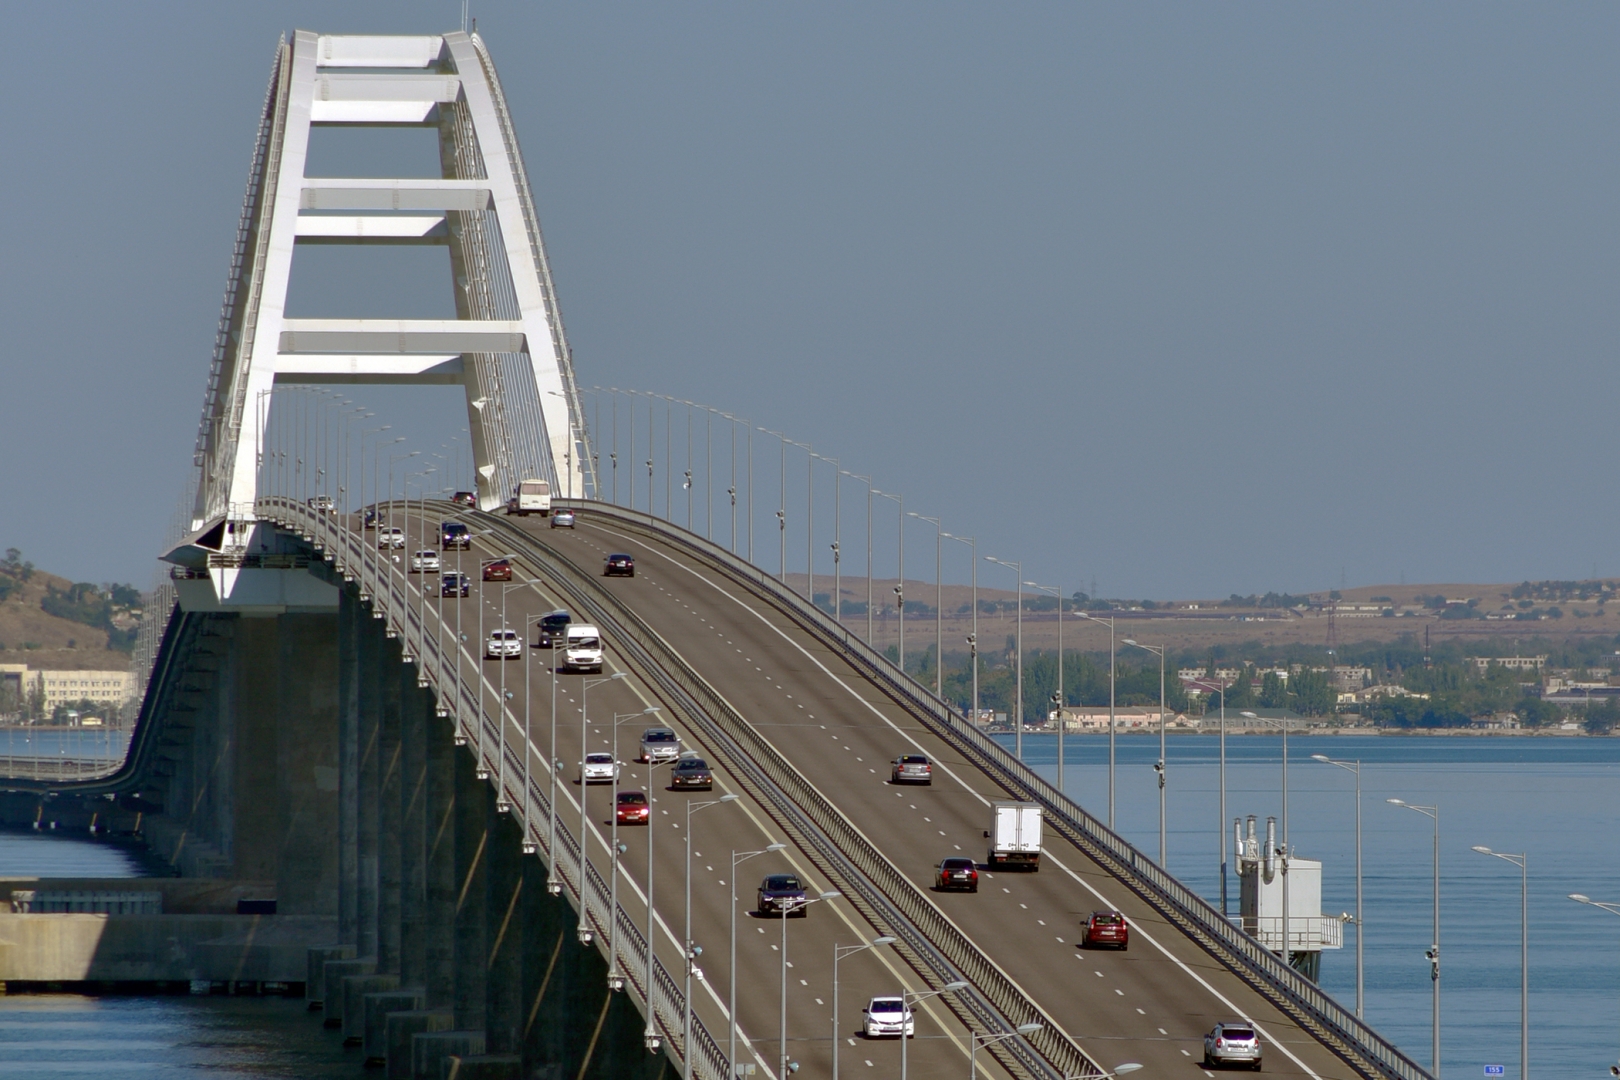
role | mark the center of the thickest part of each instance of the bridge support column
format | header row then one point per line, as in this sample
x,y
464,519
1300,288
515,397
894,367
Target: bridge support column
x,y
504,925
389,816
471,823
440,856
372,649
350,614
306,779
416,706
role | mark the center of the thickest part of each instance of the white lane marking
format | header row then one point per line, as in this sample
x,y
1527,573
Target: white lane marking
x,y
1142,1011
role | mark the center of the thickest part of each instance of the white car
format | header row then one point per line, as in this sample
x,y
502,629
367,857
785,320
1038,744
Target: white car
x,y
1232,1043
425,561
599,769
886,1016
391,536
503,644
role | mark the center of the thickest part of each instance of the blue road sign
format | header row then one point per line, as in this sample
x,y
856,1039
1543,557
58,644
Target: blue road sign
x,y
1495,1070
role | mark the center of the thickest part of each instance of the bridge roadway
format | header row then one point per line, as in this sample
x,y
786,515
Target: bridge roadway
x,y
1151,1004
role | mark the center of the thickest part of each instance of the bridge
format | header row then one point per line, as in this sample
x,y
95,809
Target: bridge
x,y
324,740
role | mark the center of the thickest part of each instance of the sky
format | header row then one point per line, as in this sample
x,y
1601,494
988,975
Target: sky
x,y
1180,299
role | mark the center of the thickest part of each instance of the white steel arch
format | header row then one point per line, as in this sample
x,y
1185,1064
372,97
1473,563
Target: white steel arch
x,y
506,346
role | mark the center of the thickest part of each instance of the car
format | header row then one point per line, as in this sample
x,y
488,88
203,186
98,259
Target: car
x,y
1233,1042
390,536
553,629
562,519
451,584
1105,928
784,895
692,772
582,649
957,873
425,561
618,564
599,768
324,504
465,498
911,769
888,1017
368,519
503,644
631,808
498,570
659,744
453,534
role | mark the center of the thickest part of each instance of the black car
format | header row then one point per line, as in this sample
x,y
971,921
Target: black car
x,y
618,565
453,534
465,498
692,773
957,873
783,894
452,584
553,629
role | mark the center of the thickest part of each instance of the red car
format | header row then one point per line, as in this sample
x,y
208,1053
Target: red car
x,y
632,808
957,873
499,570
1106,928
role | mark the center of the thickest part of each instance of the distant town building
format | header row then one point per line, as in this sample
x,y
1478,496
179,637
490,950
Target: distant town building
x,y
54,687
1512,663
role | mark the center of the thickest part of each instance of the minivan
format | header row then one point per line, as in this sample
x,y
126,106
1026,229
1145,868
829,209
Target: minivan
x,y
552,625
582,649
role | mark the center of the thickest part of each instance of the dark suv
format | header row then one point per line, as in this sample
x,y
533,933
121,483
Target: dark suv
x,y
692,773
553,629
453,534
452,584
784,895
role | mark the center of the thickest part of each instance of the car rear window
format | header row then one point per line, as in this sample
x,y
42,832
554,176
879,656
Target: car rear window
x,y
958,864
1106,920
1239,1034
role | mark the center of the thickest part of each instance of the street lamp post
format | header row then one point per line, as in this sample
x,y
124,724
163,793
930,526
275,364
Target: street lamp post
x,y
1159,768
867,480
939,605
973,635
1112,726
689,951
907,998
585,933
839,952
1058,698
1522,861
650,1035
785,1067
978,1040
1612,909
502,804
731,1008
1017,567
1354,767
900,552
615,978
1432,812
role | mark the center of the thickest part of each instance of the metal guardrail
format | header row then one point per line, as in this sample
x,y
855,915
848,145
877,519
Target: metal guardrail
x,y
1312,1008
354,561
889,900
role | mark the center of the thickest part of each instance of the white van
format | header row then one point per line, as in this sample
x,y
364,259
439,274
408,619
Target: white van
x,y
582,648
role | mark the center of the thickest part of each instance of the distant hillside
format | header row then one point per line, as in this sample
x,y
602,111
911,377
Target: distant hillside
x,y
50,622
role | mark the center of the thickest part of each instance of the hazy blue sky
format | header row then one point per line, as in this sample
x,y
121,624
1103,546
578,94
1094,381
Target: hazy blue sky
x,y
1190,299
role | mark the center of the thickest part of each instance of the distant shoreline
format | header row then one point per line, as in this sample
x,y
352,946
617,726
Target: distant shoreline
x,y
1405,733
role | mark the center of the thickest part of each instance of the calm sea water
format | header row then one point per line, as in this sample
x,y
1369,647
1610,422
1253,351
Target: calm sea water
x,y
74,1037
71,743
1557,799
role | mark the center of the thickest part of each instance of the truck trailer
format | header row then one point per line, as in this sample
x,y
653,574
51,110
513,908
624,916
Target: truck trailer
x,y
1015,835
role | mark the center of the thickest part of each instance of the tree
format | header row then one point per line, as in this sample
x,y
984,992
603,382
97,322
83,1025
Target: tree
x,y
1273,692
1311,693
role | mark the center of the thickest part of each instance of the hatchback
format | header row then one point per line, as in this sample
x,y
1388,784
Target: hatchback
x,y
599,768
783,894
390,536
1232,1043
503,644
618,564
1106,928
452,584
632,808
888,1017
425,561
692,773
498,570
911,769
465,498
562,519
957,873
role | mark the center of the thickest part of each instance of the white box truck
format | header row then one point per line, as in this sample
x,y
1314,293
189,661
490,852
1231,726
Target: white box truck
x,y
532,497
1015,835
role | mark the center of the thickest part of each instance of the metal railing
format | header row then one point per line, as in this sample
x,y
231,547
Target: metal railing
x,y
1306,1003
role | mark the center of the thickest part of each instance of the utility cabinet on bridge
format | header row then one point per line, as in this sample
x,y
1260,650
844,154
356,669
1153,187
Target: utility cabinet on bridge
x,y
1269,873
